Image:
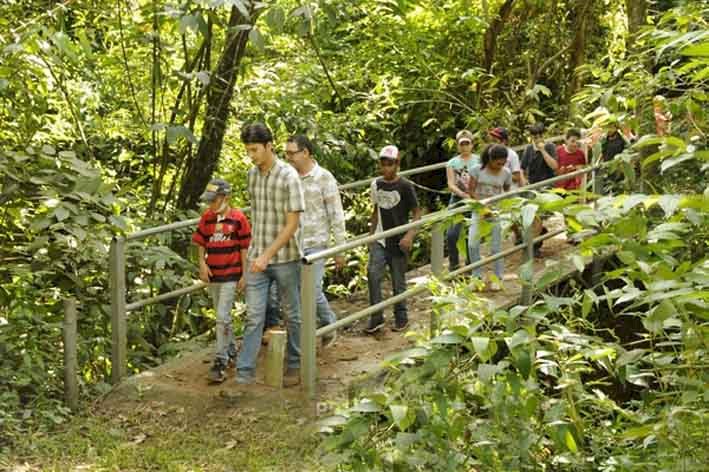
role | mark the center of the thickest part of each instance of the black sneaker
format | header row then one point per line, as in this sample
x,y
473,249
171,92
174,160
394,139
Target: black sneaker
x,y
374,327
231,362
400,326
217,373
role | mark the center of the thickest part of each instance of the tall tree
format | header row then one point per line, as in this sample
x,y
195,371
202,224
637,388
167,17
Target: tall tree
x,y
493,31
636,11
221,88
578,45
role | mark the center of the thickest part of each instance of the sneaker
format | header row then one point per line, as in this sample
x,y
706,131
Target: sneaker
x,y
244,380
494,287
291,377
231,362
217,373
329,340
374,327
400,326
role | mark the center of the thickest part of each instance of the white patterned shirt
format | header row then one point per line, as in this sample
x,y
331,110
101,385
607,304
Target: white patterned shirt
x,y
272,195
323,216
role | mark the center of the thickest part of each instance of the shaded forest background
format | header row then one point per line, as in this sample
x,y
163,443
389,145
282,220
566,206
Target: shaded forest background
x,y
116,113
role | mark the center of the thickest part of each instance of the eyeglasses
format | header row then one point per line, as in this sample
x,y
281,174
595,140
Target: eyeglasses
x,y
293,153
464,143
386,162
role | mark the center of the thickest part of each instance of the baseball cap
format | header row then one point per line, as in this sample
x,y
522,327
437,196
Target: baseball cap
x,y
389,152
216,187
500,133
464,135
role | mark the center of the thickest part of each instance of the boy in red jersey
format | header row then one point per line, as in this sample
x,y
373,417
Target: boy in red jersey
x,y
223,236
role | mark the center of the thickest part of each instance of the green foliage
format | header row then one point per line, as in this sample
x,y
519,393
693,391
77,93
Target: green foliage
x,y
549,387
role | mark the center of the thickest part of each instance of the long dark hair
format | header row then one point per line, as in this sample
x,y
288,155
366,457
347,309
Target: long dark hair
x,y
493,152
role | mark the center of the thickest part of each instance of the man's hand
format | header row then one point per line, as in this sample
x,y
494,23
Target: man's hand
x,y
405,243
204,273
539,145
242,284
340,262
260,264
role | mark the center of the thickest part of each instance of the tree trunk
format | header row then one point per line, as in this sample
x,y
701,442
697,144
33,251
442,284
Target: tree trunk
x,y
636,11
492,32
578,45
221,88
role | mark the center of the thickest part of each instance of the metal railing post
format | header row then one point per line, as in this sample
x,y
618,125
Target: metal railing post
x,y
117,283
308,337
437,242
526,296
71,386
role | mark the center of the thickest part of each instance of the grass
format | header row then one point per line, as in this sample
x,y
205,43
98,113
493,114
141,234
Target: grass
x,y
156,437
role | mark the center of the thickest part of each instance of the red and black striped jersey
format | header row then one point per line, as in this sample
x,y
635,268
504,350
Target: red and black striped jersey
x,y
223,237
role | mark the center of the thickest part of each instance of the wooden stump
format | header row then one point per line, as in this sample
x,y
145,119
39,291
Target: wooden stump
x,y
275,357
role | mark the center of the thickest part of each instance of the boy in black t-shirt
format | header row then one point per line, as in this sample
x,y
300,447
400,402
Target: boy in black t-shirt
x,y
394,200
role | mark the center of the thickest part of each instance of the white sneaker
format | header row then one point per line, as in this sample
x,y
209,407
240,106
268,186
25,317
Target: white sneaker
x,y
494,287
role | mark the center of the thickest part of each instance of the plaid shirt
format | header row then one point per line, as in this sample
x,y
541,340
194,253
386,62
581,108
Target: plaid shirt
x,y
323,210
272,195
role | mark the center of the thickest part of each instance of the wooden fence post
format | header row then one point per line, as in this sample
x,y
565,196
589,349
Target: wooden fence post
x,y
274,358
71,386
117,279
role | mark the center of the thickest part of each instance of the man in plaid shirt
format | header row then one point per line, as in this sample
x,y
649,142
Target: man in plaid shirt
x,y
323,217
277,201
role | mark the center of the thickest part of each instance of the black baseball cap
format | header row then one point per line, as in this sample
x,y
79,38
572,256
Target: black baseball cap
x,y
214,188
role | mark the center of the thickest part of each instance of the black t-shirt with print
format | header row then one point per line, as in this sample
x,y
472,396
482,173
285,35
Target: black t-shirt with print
x,y
534,164
612,146
395,202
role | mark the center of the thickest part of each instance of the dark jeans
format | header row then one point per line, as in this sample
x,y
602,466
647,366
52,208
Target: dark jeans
x,y
452,236
379,259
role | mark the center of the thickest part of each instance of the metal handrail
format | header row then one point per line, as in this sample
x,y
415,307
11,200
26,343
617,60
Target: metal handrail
x,y
350,185
447,212
341,323
427,168
117,261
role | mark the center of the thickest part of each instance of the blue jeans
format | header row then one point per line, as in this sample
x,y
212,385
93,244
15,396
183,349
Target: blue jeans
x,y
273,307
452,236
223,294
379,259
324,313
474,244
287,276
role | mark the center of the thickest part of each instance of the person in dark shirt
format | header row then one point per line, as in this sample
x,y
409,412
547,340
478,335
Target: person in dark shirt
x,y
395,202
613,143
223,235
539,160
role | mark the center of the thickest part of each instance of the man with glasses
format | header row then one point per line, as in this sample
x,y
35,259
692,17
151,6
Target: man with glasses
x,y
322,219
